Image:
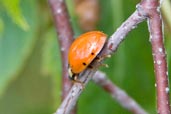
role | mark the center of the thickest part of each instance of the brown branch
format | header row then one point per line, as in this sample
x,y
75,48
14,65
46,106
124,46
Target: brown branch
x,y
65,38
114,41
159,55
146,9
69,102
118,94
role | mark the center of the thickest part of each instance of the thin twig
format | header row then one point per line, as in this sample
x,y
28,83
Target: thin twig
x,y
114,41
159,55
118,94
65,38
69,102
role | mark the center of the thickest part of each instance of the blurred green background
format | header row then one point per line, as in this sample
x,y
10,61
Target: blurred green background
x,y
30,65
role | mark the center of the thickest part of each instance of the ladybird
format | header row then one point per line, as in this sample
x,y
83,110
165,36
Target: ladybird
x,y
83,51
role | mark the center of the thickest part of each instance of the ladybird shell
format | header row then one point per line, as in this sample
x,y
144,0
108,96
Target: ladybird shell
x,y
84,49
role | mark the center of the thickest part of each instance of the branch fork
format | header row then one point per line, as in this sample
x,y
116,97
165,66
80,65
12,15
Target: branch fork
x,y
146,9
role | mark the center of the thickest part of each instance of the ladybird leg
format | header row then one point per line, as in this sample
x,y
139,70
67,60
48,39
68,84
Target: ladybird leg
x,y
75,80
100,64
105,65
90,66
81,83
108,56
99,58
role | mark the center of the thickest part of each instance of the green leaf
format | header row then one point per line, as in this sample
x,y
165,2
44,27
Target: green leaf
x,y
51,62
16,44
50,56
1,28
14,11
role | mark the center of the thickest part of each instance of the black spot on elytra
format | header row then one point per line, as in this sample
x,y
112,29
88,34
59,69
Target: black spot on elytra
x,y
84,64
92,53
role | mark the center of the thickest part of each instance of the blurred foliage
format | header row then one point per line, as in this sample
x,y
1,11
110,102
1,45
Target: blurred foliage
x,y
30,65
16,44
14,11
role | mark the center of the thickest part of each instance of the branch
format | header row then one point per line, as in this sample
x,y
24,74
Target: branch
x,y
118,94
131,23
159,55
114,41
65,38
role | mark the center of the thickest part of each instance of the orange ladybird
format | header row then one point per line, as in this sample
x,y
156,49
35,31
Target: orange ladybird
x,y
83,51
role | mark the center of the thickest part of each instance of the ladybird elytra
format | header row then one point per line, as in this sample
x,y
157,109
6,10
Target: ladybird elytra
x,y
84,50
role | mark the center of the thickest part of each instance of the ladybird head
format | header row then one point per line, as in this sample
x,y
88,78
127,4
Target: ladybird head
x,y
72,76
